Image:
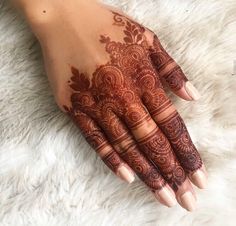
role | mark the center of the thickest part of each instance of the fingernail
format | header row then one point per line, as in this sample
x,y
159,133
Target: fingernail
x,y
188,201
166,197
192,91
125,174
199,179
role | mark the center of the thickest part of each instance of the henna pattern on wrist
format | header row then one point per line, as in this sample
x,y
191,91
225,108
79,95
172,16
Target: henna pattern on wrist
x,y
127,89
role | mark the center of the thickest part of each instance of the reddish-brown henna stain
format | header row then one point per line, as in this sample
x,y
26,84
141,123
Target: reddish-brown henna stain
x,y
174,77
115,98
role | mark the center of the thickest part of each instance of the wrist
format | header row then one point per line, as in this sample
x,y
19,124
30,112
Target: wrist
x,y
36,10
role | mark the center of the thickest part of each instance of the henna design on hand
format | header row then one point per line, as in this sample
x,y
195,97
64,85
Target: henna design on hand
x,y
176,131
144,170
156,146
166,66
95,137
118,92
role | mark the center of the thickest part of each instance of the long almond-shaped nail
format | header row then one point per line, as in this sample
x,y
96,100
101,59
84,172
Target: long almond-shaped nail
x,y
166,197
188,201
192,91
199,179
125,174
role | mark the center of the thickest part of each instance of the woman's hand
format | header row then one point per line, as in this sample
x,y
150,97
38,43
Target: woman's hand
x,y
107,73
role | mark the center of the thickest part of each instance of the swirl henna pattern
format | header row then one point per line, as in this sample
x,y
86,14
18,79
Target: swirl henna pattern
x,y
123,96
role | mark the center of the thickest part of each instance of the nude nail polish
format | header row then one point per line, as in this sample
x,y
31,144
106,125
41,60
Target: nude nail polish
x,y
166,197
192,91
188,201
199,179
125,174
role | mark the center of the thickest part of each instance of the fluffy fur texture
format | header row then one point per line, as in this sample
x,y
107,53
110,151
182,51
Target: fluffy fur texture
x,y
50,176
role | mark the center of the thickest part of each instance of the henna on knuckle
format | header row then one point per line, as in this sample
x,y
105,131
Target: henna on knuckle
x,y
159,56
166,66
112,160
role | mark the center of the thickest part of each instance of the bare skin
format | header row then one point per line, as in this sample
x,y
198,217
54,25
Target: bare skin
x,y
107,74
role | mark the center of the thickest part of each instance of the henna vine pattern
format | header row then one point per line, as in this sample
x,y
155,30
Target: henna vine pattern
x,y
124,93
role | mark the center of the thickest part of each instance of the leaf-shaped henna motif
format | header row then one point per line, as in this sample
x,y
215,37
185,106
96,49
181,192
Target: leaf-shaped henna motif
x,y
115,91
79,81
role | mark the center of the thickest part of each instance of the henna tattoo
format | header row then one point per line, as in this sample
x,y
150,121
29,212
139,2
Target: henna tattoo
x,y
176,131
159,56
117,91
112,160
175,78
144,170
166,66
158,149
95,138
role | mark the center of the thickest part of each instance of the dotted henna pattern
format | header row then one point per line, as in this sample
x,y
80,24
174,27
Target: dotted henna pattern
x,y
120,98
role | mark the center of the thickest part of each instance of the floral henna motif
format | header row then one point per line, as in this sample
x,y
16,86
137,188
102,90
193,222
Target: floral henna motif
x,y
117,91
176,131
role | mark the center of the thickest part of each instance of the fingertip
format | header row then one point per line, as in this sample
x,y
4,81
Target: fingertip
x,y
166,196
125,174
188,92
199,178
186,196
188,201
192,91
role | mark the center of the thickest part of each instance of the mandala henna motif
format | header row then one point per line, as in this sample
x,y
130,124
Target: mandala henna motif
x,y
117,91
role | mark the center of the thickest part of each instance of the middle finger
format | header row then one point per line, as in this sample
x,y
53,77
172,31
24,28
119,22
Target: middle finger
x,y
157,148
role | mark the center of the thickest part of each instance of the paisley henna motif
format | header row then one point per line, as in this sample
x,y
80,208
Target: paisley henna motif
x,y
121,91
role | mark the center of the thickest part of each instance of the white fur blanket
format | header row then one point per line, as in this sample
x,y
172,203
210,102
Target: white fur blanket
x,y
50,176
